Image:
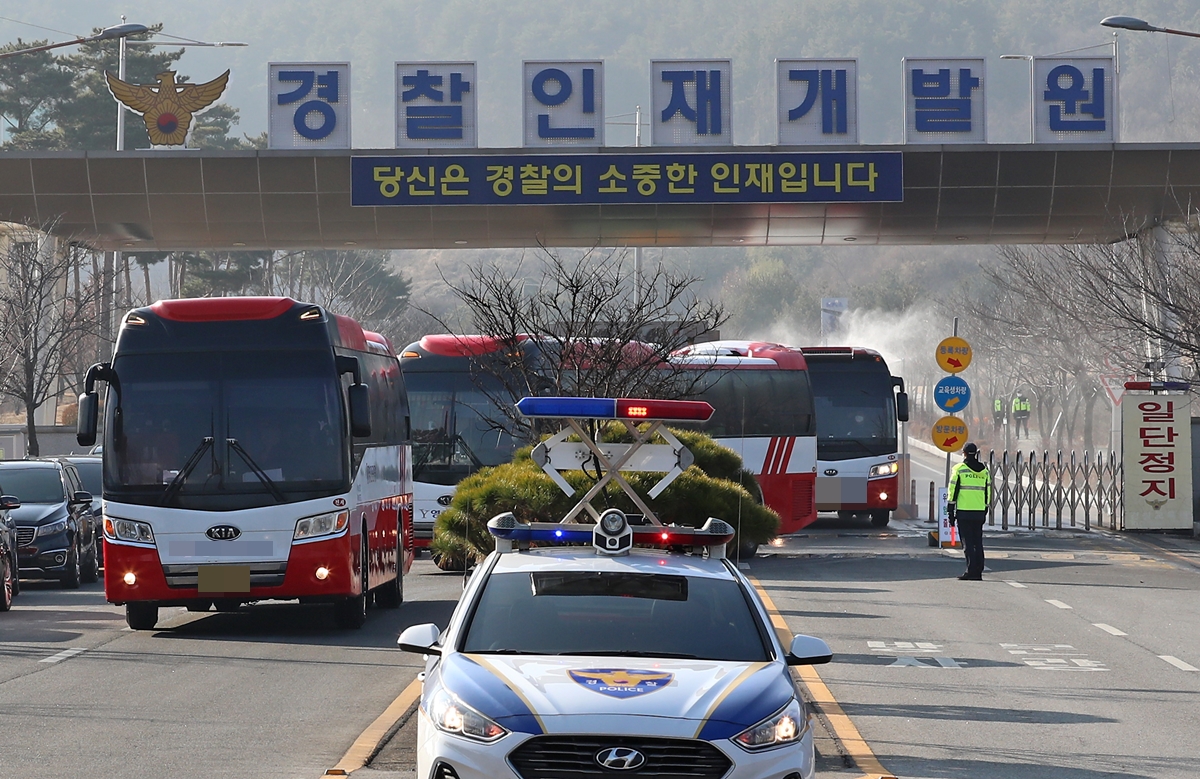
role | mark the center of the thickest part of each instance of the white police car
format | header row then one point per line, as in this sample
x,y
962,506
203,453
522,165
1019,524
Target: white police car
x,y
568,661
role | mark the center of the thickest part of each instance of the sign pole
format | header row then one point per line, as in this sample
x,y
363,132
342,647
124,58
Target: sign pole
x,y
947,453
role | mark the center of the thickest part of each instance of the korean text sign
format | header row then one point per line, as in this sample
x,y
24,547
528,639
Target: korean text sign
x,y
944,101
1157,461
1075,100
563,103
308,105
817,101
733,177
436,105
691,102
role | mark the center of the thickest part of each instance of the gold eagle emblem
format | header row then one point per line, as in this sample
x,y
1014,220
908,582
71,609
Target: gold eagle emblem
x,y
168,107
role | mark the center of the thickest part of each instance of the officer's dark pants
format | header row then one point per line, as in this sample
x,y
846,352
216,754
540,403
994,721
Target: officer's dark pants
x,y
1022,421
970,529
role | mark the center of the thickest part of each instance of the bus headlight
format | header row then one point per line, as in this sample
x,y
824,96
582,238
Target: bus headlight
x,y
883,469
321,525
128,530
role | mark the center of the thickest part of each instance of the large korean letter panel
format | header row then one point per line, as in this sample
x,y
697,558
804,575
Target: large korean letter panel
x,y
691,102
817,101
563,103
1075,99
1157,461
308,105
943,101
435,105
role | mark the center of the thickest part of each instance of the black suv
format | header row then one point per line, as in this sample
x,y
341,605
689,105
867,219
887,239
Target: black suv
x,y
56,535
91,472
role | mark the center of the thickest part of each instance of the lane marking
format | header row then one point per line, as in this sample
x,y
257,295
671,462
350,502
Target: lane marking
x,y
1175,661
1057,604
1109,629
853,742
1018,585
63,655
367,744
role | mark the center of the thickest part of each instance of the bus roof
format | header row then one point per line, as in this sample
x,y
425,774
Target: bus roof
x,y
841,352
747,354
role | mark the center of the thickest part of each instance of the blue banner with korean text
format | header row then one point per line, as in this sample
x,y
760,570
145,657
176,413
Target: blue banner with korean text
x,y
621,179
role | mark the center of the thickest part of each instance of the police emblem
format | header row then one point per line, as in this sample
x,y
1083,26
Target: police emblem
x,y
168,107
621,682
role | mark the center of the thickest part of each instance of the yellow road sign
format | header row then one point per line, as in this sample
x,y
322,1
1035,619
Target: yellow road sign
x,y
949,434
954,355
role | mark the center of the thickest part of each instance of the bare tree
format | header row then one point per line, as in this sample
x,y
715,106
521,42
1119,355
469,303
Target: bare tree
x,y
44,321
593,329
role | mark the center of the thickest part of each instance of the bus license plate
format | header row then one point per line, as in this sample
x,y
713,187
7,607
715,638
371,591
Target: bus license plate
x,y
223,578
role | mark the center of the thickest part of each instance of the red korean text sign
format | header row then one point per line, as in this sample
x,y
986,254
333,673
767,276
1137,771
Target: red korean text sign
x,y
1157,461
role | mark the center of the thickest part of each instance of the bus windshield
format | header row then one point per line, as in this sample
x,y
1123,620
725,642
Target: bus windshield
x,y
757,402
456,428
856,409
283,410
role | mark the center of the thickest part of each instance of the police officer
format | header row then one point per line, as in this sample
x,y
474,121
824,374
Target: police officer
x,y
1020,413
998,414
967,503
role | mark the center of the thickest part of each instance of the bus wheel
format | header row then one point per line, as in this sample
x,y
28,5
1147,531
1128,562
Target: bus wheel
x,y
141,616
391,595
448,563
227,605
200,606
747,549
351,613
845,516
880,518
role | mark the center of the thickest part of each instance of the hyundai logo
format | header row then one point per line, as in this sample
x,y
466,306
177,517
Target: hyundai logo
x,y
620,758
831,471
222,532
445,500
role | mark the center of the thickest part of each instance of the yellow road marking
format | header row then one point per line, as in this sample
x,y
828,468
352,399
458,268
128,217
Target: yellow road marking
x,y
856,746
365,746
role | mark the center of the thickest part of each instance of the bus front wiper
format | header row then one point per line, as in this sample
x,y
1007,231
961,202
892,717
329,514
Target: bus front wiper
x,y
259,472
192,461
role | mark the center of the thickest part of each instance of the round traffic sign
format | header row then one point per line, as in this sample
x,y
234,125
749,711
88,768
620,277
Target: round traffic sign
x,y
954,355
952,394
949,434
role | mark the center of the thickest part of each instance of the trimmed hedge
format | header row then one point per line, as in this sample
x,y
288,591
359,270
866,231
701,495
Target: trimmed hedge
x,y
714,486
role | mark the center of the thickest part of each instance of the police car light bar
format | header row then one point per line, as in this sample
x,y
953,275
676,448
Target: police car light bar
x,y
505,527
616,408
1158,386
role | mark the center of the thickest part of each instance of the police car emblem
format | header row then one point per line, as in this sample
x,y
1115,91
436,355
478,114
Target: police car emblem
x,y
620,758
621,682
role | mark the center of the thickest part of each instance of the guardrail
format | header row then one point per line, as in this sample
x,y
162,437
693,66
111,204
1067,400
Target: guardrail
x,y
1070,490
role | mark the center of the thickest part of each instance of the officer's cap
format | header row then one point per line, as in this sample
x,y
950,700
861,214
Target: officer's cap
x,y
970,449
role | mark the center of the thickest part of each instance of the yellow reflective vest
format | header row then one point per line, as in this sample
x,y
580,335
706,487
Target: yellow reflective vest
x,y
1019,405
999,406
970,490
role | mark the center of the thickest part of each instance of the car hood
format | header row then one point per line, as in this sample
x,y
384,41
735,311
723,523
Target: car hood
x,y
681,698
38,513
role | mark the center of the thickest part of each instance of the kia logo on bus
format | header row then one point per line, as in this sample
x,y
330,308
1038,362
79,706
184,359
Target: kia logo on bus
x,y
445,500
831,471
222,532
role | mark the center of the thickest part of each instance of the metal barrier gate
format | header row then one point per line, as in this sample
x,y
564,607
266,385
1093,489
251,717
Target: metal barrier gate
x,y
1064,491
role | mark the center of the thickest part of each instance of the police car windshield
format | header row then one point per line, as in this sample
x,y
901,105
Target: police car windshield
x,y
615,614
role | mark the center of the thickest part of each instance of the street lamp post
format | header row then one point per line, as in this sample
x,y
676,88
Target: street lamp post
x,y
1033,86
1141,25
121,31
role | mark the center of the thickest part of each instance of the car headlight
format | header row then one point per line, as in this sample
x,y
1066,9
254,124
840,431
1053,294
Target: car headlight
x,y
450,715
883,469
785,726
128,530
321,525
52,528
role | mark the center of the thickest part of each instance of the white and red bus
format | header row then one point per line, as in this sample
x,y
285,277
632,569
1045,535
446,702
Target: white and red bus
x,y
761,393
858,403
254,449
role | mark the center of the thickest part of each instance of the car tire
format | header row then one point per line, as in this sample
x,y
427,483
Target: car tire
x,y
6,583
70,580
141,616
91,568
880,518
16,569
227,605
351,613
200,606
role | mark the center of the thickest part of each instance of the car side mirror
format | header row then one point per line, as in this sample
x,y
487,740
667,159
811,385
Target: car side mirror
x,y
9,502
80,497
360,410
902,406
421,639
807,650
85,425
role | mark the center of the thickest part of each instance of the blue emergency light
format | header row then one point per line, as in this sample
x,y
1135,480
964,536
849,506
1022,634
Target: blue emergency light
x,y
715,532
616,408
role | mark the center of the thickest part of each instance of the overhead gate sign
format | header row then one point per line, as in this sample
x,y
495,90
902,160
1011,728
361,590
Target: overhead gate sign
x,y
622,179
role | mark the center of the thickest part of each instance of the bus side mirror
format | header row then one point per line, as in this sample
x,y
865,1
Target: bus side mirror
x,y
85,425
902,406
360,410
